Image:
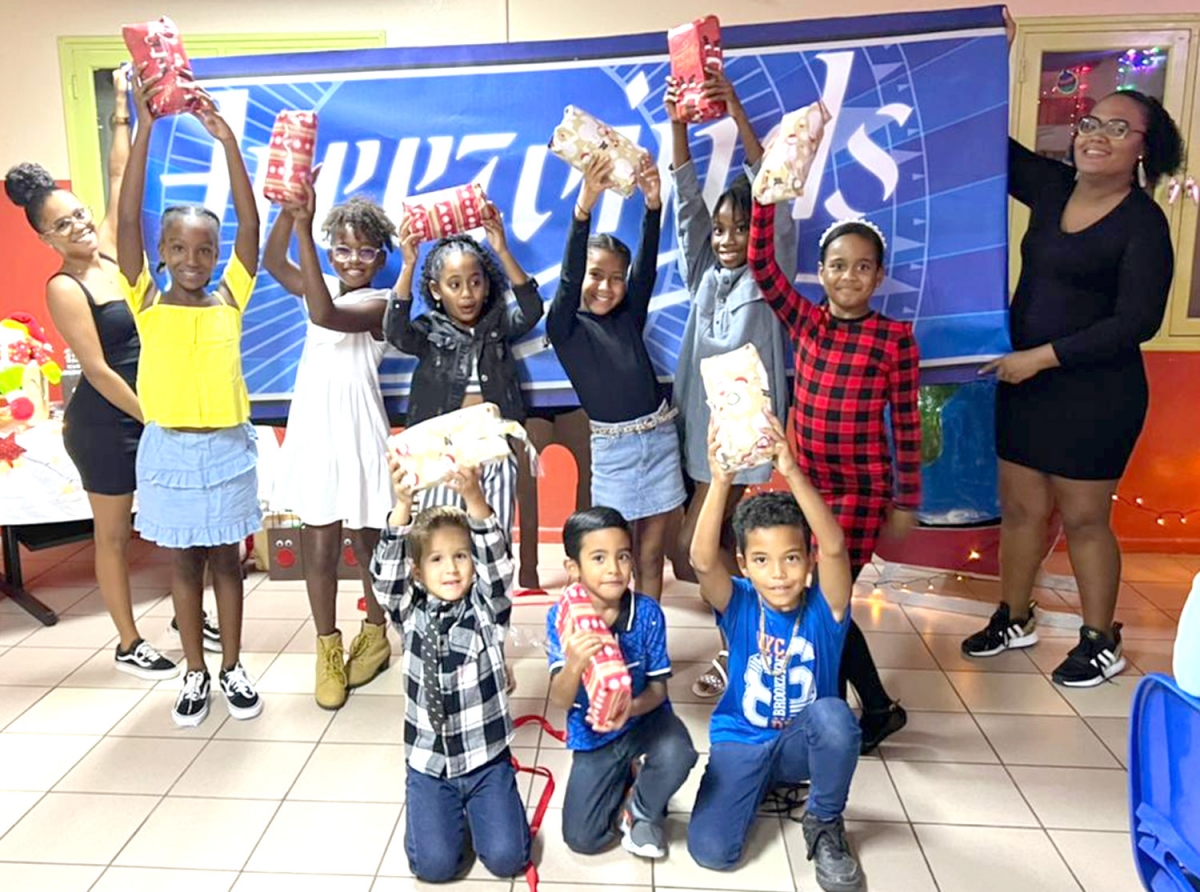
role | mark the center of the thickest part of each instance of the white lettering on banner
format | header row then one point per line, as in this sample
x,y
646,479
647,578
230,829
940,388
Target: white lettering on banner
x,y
216,179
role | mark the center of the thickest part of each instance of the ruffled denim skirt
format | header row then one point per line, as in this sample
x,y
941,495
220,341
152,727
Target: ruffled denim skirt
x,y
197,489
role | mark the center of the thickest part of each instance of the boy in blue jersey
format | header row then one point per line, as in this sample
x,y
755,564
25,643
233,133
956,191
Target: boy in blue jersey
x,y
780,721
599,549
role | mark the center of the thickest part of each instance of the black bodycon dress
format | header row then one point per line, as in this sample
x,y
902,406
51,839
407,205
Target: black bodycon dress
x,y
102,440
1095,296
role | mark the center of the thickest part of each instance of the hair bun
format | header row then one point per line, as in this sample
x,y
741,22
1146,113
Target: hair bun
x,y
25,182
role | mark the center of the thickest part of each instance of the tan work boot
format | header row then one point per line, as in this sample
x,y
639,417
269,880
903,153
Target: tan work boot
x,y
331,671
370,652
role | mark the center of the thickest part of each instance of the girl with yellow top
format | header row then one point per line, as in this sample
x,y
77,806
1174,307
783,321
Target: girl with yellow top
x,y
197,460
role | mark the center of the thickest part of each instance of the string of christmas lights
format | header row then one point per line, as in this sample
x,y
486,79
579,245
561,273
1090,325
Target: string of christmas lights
x,y
1161,515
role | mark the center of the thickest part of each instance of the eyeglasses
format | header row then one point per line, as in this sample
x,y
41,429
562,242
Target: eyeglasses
x,y
63,225
1114,128
367,254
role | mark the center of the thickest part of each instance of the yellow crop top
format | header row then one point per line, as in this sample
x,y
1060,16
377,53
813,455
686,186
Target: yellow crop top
x,y
190,371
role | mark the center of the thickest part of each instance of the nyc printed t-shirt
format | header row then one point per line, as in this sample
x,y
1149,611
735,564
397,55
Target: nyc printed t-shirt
x,y
756,705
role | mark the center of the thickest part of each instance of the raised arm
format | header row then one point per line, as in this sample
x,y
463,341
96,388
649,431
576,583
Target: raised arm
x,y
245,243
560,319
401,331
1030,175
792,308
489,543
718,87
275,255
391,573
645,263
716,585
903,392
118,160
529,309
365,315
131,249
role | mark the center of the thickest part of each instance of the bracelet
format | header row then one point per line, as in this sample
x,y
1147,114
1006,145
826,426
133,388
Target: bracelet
x,y
115,121
580,212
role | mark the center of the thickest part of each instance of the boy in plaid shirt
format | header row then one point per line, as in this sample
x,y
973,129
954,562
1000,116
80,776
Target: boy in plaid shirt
x,y
445,580
852,364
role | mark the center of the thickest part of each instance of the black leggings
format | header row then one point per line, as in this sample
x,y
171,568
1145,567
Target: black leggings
x,y
858,668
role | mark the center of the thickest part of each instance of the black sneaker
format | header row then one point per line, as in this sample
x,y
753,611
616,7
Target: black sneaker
x,y
241,699
144,661
212,635
191,706
1003,633
1095,659
837,868
878,725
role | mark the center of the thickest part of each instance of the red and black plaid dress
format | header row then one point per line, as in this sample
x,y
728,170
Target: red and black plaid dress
x,y
848,371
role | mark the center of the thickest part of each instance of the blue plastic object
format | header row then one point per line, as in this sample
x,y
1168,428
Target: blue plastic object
x,y
1164,785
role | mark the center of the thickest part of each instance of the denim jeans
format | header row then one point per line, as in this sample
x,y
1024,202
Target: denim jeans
x,y
821,745
599,777
440,810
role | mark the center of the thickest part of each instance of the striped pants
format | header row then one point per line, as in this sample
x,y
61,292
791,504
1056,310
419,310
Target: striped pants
x,y
499,484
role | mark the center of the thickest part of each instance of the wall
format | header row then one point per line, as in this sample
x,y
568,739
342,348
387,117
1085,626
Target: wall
x,y
1165,470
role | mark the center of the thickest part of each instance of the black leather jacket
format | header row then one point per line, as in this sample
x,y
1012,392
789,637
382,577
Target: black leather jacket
x,y
444,352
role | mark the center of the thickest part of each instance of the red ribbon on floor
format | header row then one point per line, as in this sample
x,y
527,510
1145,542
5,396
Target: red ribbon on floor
x,y
531,872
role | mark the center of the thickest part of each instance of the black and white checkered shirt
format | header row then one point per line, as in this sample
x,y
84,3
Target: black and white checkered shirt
x,y
478,725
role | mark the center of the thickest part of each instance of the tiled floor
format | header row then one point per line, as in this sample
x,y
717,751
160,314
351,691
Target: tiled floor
x,y
1001,781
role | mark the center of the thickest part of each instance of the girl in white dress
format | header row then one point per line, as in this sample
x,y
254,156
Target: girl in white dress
x,y
332,467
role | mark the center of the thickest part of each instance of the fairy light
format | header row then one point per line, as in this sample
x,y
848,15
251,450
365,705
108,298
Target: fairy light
x,y
1162,516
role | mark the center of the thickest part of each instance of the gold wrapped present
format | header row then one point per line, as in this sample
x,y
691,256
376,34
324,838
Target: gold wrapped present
x,y
431,451
790,157
580,137
737,391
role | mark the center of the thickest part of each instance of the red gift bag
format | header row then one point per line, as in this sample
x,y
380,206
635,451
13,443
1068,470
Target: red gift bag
x,y
157,44
606,679
289,165
446,212
696,48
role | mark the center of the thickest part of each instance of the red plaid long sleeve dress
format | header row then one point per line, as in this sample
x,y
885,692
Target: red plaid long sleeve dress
x,y
847,372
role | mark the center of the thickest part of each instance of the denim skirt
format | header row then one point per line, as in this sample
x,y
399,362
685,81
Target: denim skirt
x,y
197,489
636,466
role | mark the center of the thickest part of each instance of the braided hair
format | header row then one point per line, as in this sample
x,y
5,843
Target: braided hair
x,y
28,186
182,212
366,218
435,262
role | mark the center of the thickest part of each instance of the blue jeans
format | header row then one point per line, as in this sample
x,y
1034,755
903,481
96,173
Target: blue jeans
x,y
439,811
599,778
821,745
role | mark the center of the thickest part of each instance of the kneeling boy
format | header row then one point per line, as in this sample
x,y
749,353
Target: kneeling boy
x,y
780,720
445,581
599,552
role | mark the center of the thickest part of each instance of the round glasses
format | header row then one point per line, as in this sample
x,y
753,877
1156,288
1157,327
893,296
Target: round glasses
x,y
81,216
1114,128
343,254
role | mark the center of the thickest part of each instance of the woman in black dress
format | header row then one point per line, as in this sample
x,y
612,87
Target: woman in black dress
x,y
103,422
1096,267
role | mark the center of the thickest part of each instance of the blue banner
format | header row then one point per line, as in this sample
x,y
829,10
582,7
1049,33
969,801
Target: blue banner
x,y
916,145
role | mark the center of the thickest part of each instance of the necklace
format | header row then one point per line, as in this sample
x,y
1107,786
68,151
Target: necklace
x,y
774,665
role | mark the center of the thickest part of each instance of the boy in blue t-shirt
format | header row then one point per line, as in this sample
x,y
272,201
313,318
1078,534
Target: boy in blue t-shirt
x,y
599,548
780,720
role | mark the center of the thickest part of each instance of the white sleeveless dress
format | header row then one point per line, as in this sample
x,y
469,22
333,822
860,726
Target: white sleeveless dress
x,y
332,465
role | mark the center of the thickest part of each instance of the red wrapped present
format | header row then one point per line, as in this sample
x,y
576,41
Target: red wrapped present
x,y
289,164
607,682
695,49
158,45
449,211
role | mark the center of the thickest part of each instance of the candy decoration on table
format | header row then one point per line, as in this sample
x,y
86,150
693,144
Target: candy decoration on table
x,y
606,679
446,212
790,156
290,162
735,385
158,45
25,367
695,50
10,449
431,451
580,137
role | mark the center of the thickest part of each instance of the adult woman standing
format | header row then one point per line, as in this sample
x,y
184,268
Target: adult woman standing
x,y
1096,268
104,420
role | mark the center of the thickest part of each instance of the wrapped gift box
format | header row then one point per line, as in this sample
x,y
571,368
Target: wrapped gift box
x,y
786,164
158,45
581,136
431,451
446,212
737,391
696,49
606,679
279,540
290,162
